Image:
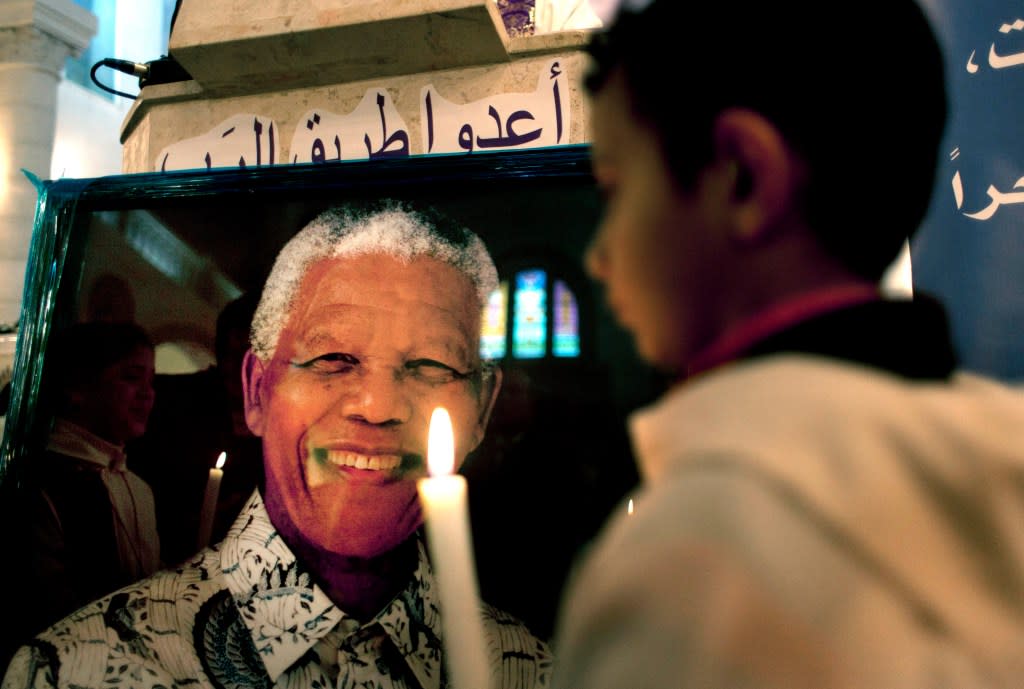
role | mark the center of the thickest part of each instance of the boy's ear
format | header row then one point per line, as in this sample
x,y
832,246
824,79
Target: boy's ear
x,y
760,168
252,391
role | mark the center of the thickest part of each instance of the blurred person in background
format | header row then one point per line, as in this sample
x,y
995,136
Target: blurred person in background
x,y
198,416
82,524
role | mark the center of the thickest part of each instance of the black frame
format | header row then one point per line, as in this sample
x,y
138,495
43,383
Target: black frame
x,y
570,442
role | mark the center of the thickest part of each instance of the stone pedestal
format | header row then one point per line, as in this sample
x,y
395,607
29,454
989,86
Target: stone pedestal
x,y
36,36
302,65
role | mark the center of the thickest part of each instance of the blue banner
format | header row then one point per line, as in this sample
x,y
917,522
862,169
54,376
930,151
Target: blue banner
x,y
970,250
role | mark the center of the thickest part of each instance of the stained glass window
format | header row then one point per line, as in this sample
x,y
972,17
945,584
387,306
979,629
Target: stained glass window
x,y
566,337
495,328
533,325
529,320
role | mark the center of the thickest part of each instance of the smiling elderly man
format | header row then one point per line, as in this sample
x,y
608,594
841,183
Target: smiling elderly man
x,y
368,321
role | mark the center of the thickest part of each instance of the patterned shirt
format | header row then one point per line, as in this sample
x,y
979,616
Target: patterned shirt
x,y
245,613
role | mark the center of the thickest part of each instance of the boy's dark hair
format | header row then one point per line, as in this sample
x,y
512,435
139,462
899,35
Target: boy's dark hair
x,y
234,319
859,93
78,354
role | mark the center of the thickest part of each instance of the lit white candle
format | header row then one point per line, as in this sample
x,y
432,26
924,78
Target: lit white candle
x,y
209,510
447,518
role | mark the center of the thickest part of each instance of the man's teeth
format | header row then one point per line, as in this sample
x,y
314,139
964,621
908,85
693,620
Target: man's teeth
x,y
351,459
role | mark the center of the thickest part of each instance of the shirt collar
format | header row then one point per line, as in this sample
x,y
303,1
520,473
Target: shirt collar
x,y
741,337
413,623
73,440
286,613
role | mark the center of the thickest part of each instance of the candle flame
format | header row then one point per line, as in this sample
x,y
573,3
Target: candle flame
x,y
629,509
440,443
221,459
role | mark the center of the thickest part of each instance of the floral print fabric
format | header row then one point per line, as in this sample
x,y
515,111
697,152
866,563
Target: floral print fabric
x,y
245,613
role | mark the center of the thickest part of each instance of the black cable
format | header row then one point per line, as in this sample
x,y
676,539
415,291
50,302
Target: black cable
x,y
124,66
174,15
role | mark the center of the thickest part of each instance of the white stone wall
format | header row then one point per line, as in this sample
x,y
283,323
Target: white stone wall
x,y
36,36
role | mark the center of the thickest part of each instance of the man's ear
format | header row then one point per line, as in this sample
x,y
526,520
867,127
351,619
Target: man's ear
x,y
489,395
252,392
760,168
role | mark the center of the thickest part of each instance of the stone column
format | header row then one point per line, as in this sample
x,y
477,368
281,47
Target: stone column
x,y
36,37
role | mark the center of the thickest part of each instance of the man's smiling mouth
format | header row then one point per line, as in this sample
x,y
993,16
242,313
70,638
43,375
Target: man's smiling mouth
x,y
397,464
342,458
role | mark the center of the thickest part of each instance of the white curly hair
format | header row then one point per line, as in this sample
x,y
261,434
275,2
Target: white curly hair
x,y
391,228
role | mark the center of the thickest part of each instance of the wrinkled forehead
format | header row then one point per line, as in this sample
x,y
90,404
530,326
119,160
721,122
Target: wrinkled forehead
x,y
429,297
